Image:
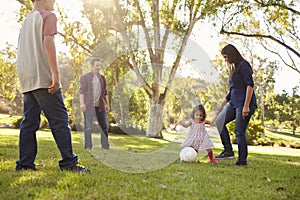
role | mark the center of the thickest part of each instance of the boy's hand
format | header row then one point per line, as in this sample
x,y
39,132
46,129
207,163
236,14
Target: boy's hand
x,y
55,84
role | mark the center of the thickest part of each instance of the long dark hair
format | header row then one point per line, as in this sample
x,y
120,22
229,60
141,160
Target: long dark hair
x,y
233,56
199,108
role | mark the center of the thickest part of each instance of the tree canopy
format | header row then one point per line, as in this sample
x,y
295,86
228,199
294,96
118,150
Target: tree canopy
x,y
272,22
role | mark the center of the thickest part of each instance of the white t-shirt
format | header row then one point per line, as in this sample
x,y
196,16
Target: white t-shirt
x,y
33,67
96,90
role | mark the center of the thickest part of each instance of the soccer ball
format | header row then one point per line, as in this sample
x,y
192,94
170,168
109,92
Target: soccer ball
x,y
188,154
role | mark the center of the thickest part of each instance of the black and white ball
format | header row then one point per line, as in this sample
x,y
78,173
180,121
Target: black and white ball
x,y
188,154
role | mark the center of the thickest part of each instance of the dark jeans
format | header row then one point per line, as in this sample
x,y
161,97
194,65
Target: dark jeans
x,y
228,115
88,128
55,111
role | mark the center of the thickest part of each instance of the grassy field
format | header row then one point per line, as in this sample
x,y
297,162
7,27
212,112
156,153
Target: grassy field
x,y
266,177
145,168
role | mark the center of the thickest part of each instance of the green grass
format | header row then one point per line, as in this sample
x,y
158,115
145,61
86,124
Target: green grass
x,y
266,177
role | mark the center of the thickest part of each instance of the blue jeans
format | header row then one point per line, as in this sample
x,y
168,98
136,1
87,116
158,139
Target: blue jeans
x,y
88,128
56,113
227,115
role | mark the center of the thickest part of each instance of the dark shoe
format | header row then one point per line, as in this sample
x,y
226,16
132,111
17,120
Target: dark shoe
x,y
19,168
225,155
239,164
77,168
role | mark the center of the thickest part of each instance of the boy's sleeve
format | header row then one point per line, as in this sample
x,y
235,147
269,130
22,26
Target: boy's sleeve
x,y
50,25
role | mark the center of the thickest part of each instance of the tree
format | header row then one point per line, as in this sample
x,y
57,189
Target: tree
x,y
263,75
284,109
8,73
163,25
294,121
272,22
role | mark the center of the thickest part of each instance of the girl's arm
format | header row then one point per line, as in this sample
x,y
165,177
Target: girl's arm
x,y
185,124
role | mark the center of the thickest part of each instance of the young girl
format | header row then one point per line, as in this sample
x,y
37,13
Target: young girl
x,y
198,137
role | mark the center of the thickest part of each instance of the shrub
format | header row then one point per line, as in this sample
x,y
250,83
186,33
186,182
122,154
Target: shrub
x,y
4,108
16,122
253,132
265,141
44,121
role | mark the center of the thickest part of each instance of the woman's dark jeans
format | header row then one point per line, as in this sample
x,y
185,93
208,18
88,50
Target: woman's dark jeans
x,y
227,115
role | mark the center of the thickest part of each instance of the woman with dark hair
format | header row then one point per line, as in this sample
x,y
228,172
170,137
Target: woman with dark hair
x,y
241,105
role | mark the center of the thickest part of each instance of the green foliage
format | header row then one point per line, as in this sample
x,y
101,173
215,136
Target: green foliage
x,y
272,23
8,73
139,109
4,107
16,122
172,110
253,132
285,140
44,122
285,109
99,34
187,93
26,7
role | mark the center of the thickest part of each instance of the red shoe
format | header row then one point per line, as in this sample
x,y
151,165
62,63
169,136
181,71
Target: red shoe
x,y
213,161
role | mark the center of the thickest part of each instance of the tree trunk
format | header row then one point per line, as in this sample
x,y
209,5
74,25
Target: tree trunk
x,y
262,110
122,115
155,124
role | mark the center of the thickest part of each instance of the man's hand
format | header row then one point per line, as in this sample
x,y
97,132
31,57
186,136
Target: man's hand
x,y
107,109
83,107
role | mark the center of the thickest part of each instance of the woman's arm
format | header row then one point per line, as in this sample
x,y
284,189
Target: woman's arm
x,y
220,108
246,108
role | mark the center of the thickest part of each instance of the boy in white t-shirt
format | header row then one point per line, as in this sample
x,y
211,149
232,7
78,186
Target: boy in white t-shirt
x,y
39,82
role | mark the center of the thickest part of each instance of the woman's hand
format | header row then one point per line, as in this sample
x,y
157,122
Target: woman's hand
x,y
246,111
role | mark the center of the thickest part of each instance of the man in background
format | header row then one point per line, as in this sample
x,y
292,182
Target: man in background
x,y
94,102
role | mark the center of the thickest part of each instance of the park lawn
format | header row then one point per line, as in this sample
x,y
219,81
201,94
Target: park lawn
x,y
266,177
